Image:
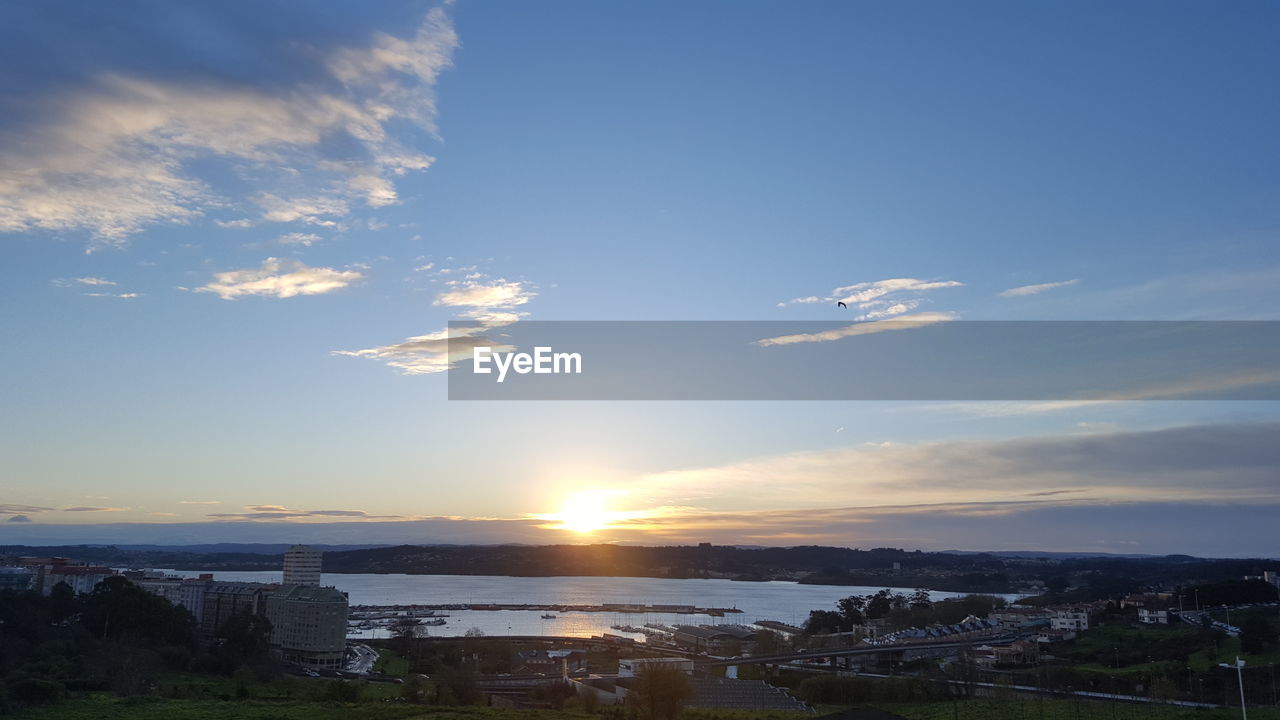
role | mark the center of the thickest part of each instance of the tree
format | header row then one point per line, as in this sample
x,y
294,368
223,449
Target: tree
x,y
246,638
823,621
661,692
852,609
1256,635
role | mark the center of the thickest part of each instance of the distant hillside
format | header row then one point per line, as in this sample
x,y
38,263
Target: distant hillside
x,y
877,567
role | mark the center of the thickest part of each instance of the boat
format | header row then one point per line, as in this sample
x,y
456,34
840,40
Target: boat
x,y
548,616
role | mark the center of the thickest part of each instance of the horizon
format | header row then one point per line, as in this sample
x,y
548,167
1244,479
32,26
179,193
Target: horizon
x,y
248,257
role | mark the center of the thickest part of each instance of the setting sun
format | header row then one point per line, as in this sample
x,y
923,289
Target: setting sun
x,y
586,511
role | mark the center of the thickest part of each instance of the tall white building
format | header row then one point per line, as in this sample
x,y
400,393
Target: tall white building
x,y
302,566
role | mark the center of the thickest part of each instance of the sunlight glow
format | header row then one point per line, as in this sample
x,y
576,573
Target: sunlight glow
x,y
587,511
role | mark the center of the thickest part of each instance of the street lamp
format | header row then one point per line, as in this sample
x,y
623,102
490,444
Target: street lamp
x,y
1239,666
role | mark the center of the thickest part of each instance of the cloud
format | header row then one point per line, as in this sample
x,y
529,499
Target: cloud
x,y
18,519
1037,289
298,238
280,278
126,296
427,354
83,508
64,282
279,512
1223,463
9,508
489,304
494,294
905,322
879,299
126,148
199,502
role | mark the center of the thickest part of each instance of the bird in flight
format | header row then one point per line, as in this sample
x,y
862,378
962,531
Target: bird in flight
x,y
841,304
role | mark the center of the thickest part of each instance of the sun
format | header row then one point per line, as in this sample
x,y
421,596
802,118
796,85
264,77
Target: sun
x,y
585,512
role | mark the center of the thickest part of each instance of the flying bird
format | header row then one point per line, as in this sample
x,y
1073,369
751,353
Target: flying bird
x,y
841,304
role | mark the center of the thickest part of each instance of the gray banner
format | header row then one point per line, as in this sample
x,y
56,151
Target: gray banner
x,y
920,358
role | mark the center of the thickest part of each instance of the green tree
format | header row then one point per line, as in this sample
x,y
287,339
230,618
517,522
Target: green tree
x,y
661,692
1256,635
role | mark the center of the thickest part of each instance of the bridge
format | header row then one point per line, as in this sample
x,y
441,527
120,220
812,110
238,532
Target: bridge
x,y
851,651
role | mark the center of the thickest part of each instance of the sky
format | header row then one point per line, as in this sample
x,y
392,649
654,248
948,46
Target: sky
x,y
232,239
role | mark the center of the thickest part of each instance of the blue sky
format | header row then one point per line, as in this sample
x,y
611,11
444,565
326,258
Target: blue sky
x,y
220,226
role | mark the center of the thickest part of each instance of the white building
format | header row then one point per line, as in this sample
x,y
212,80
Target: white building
x,y
1070,619
302,566
1153,617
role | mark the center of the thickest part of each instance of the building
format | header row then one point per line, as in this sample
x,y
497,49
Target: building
x,y
1152,616
308,625
184,592
548,662
15,579
1020,618
302,566
632,667
1070,619
222,600
81,579
715,639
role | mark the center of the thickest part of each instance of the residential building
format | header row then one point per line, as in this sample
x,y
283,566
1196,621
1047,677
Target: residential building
x,y
302,566
1152,616
222,600
1070,619
308,625
15,578
734,639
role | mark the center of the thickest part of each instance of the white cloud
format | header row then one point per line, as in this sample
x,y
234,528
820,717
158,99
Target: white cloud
x,y
65,282
1037,289
489,305
475,293
279,278
431,353
297,238
117,154
905,322
126,296
878,299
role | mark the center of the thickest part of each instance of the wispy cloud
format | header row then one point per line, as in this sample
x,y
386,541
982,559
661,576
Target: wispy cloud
x,y
878,299
12,509
124,296
1234,463
72,282
431,353
1037,289
85,508
298,238
119,152
281,279
488,303
280,512
199,502
905,322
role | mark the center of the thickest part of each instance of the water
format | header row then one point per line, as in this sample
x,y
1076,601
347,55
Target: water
x,y
787,602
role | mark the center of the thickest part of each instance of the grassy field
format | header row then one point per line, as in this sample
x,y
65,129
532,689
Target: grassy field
x,y
103,707
1065,710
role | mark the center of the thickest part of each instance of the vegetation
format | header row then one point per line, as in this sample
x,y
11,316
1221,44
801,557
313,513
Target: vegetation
x,y
901,610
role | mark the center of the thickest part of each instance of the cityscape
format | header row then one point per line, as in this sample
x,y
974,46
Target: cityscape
x,y
647,360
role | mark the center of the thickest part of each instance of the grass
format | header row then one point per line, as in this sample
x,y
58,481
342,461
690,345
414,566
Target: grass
x,y
391,663
1065,710
105,707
